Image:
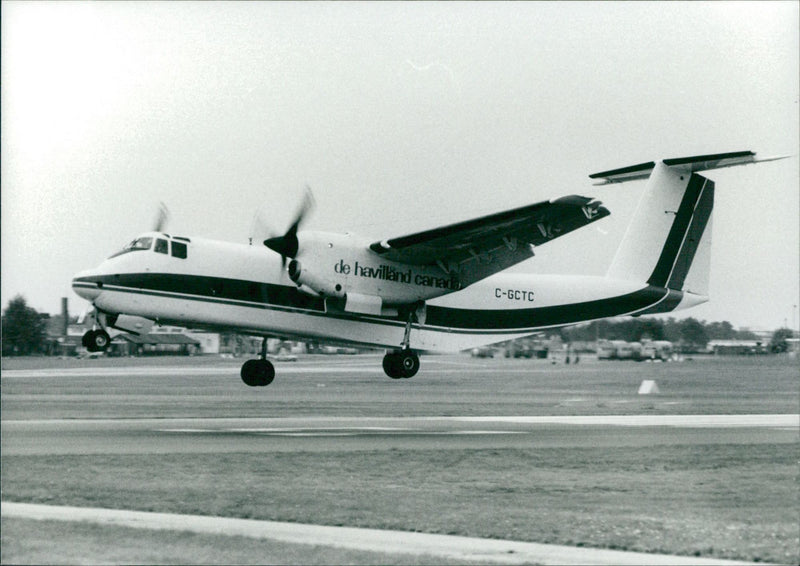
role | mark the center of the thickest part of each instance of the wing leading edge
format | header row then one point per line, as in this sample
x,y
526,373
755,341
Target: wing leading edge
x,y
482,246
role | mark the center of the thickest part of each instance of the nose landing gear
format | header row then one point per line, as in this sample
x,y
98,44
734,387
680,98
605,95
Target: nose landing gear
x,y
96,340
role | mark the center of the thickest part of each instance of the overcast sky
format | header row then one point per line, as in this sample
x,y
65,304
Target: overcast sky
x,y
400,116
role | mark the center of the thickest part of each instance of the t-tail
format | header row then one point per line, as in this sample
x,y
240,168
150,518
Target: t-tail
x,y
668,242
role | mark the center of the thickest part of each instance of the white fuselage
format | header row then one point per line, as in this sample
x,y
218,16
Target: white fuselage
x,y
226,286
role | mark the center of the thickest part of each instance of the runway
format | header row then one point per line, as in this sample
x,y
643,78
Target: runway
x,y
258,435
497,451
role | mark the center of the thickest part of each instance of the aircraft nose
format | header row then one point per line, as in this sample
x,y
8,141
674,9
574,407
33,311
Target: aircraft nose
x,y
86,285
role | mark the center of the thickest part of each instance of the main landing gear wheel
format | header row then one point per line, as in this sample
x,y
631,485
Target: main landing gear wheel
x,y
401,364
96,340
258,373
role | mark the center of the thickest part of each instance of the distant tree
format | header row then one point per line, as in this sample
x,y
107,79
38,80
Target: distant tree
x,y
778,343
690,334
581,333
601,328
23,329
720,331
564,334
746,335
628,329
672,330
649,329
693,335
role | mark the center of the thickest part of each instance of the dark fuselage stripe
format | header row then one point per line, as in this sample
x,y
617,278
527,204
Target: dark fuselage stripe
x,y
288,299
668,304
557,315
214,288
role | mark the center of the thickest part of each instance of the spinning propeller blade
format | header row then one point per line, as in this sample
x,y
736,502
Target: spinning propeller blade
x,y
161,218
288,245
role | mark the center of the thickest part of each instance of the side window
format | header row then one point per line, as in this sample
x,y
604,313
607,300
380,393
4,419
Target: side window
x,y
162,246
179,250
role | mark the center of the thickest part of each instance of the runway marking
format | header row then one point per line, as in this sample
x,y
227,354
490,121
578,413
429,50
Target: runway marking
x,y
791,421
333,432
372,540
288,368
412,424
153,371
420,426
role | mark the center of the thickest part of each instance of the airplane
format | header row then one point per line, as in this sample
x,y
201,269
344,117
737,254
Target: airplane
x,y
438,290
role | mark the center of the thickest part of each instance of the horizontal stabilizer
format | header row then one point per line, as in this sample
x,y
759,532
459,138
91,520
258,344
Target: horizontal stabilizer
x,y
688,164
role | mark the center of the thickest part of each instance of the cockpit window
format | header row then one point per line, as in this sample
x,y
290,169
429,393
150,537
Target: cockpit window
x,y
139,244
162,246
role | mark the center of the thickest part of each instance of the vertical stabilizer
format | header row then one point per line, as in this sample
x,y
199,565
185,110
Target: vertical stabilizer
x,y
670,229
668,242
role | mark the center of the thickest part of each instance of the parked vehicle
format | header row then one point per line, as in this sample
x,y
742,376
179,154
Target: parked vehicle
x,y
636,351
657,350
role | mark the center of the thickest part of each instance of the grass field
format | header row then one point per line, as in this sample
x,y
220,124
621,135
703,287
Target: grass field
x,y
714,501
77,542
733,500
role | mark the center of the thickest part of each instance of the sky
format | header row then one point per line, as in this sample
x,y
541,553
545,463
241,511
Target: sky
x,y
400,117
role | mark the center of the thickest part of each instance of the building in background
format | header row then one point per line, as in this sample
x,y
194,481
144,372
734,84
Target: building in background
x,y
737,347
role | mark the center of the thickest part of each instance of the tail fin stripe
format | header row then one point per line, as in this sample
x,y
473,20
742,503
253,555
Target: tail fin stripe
x,y
678,231
700,218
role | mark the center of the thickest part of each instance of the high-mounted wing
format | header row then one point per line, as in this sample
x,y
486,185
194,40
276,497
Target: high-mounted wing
x,y
482,246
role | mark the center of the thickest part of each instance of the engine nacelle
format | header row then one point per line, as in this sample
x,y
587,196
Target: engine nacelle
x,y
319,284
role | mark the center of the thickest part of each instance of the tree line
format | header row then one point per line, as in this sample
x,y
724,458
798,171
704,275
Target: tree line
x,y
688,334
24,331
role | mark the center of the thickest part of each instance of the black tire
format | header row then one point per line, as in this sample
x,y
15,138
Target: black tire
x,y
248,373
257,373
409,363
96,340
391,365
266,373
86,341
101,340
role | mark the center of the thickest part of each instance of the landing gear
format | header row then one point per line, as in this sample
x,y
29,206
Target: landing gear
x,y
96,340
260,372
401,364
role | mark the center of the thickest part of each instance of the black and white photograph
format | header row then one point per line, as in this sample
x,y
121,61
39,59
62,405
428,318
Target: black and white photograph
x,y
362,282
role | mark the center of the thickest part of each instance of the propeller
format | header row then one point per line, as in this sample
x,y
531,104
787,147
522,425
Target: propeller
x,y
161,218
288,245
259,228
